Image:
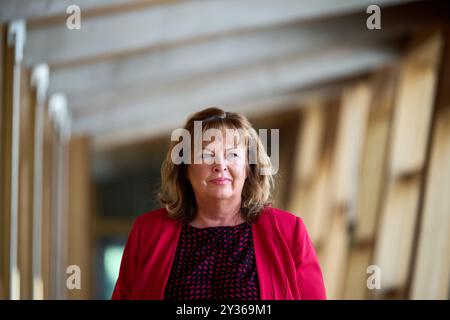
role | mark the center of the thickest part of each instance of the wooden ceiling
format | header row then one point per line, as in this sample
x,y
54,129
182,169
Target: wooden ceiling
x,y
137,68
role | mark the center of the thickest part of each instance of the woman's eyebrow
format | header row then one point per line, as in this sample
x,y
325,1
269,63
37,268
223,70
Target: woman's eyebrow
x,y
212,150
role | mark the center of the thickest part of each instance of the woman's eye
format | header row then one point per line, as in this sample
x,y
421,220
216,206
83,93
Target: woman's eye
x,y
207,155
233,155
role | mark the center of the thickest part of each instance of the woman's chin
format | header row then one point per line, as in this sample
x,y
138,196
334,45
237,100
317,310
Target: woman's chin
x,y
221,195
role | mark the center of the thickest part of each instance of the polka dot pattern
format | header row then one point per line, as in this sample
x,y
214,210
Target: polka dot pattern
x,y
214,263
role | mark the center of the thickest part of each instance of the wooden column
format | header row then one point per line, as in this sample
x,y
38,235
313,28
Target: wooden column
x,y
431,264
311,187
346,162
80,213
25,187
39,81
411,126
371,182
307,156
11,116
48,195
60,120
5,150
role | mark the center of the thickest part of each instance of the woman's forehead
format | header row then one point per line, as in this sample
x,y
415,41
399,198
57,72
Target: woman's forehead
x,y
223,144
225,137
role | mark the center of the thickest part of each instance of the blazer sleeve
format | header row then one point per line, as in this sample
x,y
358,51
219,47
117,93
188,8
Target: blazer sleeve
x,y
128,266
309,274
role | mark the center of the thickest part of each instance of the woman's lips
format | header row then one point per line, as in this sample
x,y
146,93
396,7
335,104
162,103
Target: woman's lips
x,y
220,181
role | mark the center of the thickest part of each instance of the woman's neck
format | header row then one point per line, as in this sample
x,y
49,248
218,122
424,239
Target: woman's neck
x,y
217,214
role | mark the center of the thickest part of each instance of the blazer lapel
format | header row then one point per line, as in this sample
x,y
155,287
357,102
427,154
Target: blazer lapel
x,y
272,280
161,258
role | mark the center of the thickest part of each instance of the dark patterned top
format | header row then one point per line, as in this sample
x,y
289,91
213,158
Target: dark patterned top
x,y
214,263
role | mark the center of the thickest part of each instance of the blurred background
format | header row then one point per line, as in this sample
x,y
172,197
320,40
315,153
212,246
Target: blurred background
x,y
91,90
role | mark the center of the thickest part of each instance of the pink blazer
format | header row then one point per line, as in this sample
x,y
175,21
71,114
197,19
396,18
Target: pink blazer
x,y
286,261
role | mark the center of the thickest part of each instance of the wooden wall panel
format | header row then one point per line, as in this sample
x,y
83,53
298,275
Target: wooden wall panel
x,y
431,270
317,204
411,125
376,143
351,130
371,181
310,140
356,274
311,188
334,255
346,161
306,167
395,238
413,109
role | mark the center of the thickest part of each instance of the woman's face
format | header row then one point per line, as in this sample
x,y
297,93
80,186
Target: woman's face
x,y
222,173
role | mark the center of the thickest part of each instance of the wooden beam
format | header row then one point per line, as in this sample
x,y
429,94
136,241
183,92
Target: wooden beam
x,y
163,66
115,158
129,114
41,9
134,30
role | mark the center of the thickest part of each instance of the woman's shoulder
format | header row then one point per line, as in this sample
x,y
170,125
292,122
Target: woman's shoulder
x,y
282,216
284,223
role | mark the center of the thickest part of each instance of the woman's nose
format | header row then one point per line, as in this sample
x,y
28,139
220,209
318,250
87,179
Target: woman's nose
x,y
220,167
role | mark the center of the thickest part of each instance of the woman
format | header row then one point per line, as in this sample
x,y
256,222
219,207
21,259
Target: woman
x,y
217,236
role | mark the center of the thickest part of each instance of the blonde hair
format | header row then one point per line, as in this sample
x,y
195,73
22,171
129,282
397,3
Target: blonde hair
x,y
176,193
